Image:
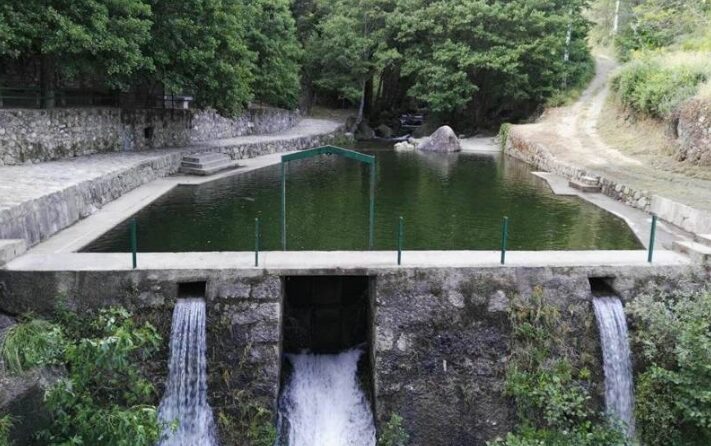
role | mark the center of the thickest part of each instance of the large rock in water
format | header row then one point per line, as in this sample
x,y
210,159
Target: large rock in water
x,y
442,140
364,132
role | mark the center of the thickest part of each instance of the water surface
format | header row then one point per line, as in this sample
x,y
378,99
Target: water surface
x,y
448,201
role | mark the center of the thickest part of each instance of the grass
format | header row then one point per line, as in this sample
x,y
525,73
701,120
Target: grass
x,y
5,426
30,344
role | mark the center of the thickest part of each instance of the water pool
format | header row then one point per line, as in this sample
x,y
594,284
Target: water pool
x,y
447,201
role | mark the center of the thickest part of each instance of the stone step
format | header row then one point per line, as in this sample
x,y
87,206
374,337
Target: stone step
x,y
11,248
206,164
209,170
585,184
204,157
696,251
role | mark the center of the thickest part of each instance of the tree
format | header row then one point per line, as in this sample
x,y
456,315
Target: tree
x,y
200,46
272,36
94,39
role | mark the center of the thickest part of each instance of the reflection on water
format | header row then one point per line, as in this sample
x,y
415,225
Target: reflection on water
x,y
448,201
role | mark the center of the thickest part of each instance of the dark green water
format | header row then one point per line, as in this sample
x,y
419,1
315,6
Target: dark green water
x,y
448,202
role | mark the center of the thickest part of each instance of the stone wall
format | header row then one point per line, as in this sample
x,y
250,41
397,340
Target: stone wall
x,y
692,123
28,135
441,335
534,153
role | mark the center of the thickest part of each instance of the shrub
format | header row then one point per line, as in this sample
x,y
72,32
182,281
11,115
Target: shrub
x,y
393,433
30,344
674,388
5,426
656,85
551,395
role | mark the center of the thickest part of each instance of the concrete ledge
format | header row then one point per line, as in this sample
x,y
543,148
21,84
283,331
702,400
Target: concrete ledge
x,y
339,260
697,252
9,249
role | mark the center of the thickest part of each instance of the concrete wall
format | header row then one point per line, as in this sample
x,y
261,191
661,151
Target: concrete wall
x,y
28,135
441,336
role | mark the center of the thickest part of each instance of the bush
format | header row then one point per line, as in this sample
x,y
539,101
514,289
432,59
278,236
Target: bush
x,y
30,344
551,395
5,426
656,85
674,388
393,433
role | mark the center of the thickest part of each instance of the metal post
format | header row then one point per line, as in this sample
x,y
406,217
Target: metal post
x,y
134,242
399,241
652,236
256,242
504,239
283,206
371,220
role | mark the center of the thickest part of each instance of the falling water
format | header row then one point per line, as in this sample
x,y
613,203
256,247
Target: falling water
x,y
619,390
184,406
323,403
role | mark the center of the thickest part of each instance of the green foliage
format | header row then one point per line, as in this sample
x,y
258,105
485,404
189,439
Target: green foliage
x,y
200,46
105,399
656,85
5,426
504,134
674,390
551,395
661,23
82,37
393,433
32,343
272,36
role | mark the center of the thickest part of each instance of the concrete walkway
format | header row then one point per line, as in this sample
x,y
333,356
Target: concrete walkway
x,y
22,183
360,260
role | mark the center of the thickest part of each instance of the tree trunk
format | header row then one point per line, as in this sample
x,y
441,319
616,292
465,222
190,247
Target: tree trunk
x,y
47,81
616,21
361,107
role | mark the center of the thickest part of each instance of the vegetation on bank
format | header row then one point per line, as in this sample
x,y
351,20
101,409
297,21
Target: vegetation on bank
x,y
103,397
5,426
672,342
667,47
549,381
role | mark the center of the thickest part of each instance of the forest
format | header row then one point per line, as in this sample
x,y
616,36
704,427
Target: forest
x,y
491,61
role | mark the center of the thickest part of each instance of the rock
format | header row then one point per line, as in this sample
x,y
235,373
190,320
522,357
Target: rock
x,y
442,140
384,131
364,132
404,146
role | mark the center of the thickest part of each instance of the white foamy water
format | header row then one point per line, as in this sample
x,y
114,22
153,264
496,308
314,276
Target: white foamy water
x,y
323,403
185,398
617,362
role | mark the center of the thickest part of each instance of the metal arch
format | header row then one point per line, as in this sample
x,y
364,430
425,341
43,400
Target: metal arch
x,y
329,150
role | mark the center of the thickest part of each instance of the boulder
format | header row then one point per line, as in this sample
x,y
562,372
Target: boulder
x,y
405,146
364,132
384,131
442,140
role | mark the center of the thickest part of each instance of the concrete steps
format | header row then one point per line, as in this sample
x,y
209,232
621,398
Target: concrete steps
x,y
206,163
697,252
11,248
585,184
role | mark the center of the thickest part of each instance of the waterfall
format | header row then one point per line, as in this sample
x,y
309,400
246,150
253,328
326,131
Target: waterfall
x,y
619,388
323,403
184,407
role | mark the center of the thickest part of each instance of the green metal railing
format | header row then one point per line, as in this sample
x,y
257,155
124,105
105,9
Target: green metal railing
x,y
400,234
330,150
256,242
134,242
652,237
504,239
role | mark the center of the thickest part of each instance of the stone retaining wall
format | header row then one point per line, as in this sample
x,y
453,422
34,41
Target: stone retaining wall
x,y
685,217
28,135
441,335
36,220
693,131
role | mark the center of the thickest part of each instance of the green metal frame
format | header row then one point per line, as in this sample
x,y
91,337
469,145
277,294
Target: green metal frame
x,y
329,150
652,238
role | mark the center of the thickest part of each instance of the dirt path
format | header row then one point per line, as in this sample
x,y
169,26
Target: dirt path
x,y
570,133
